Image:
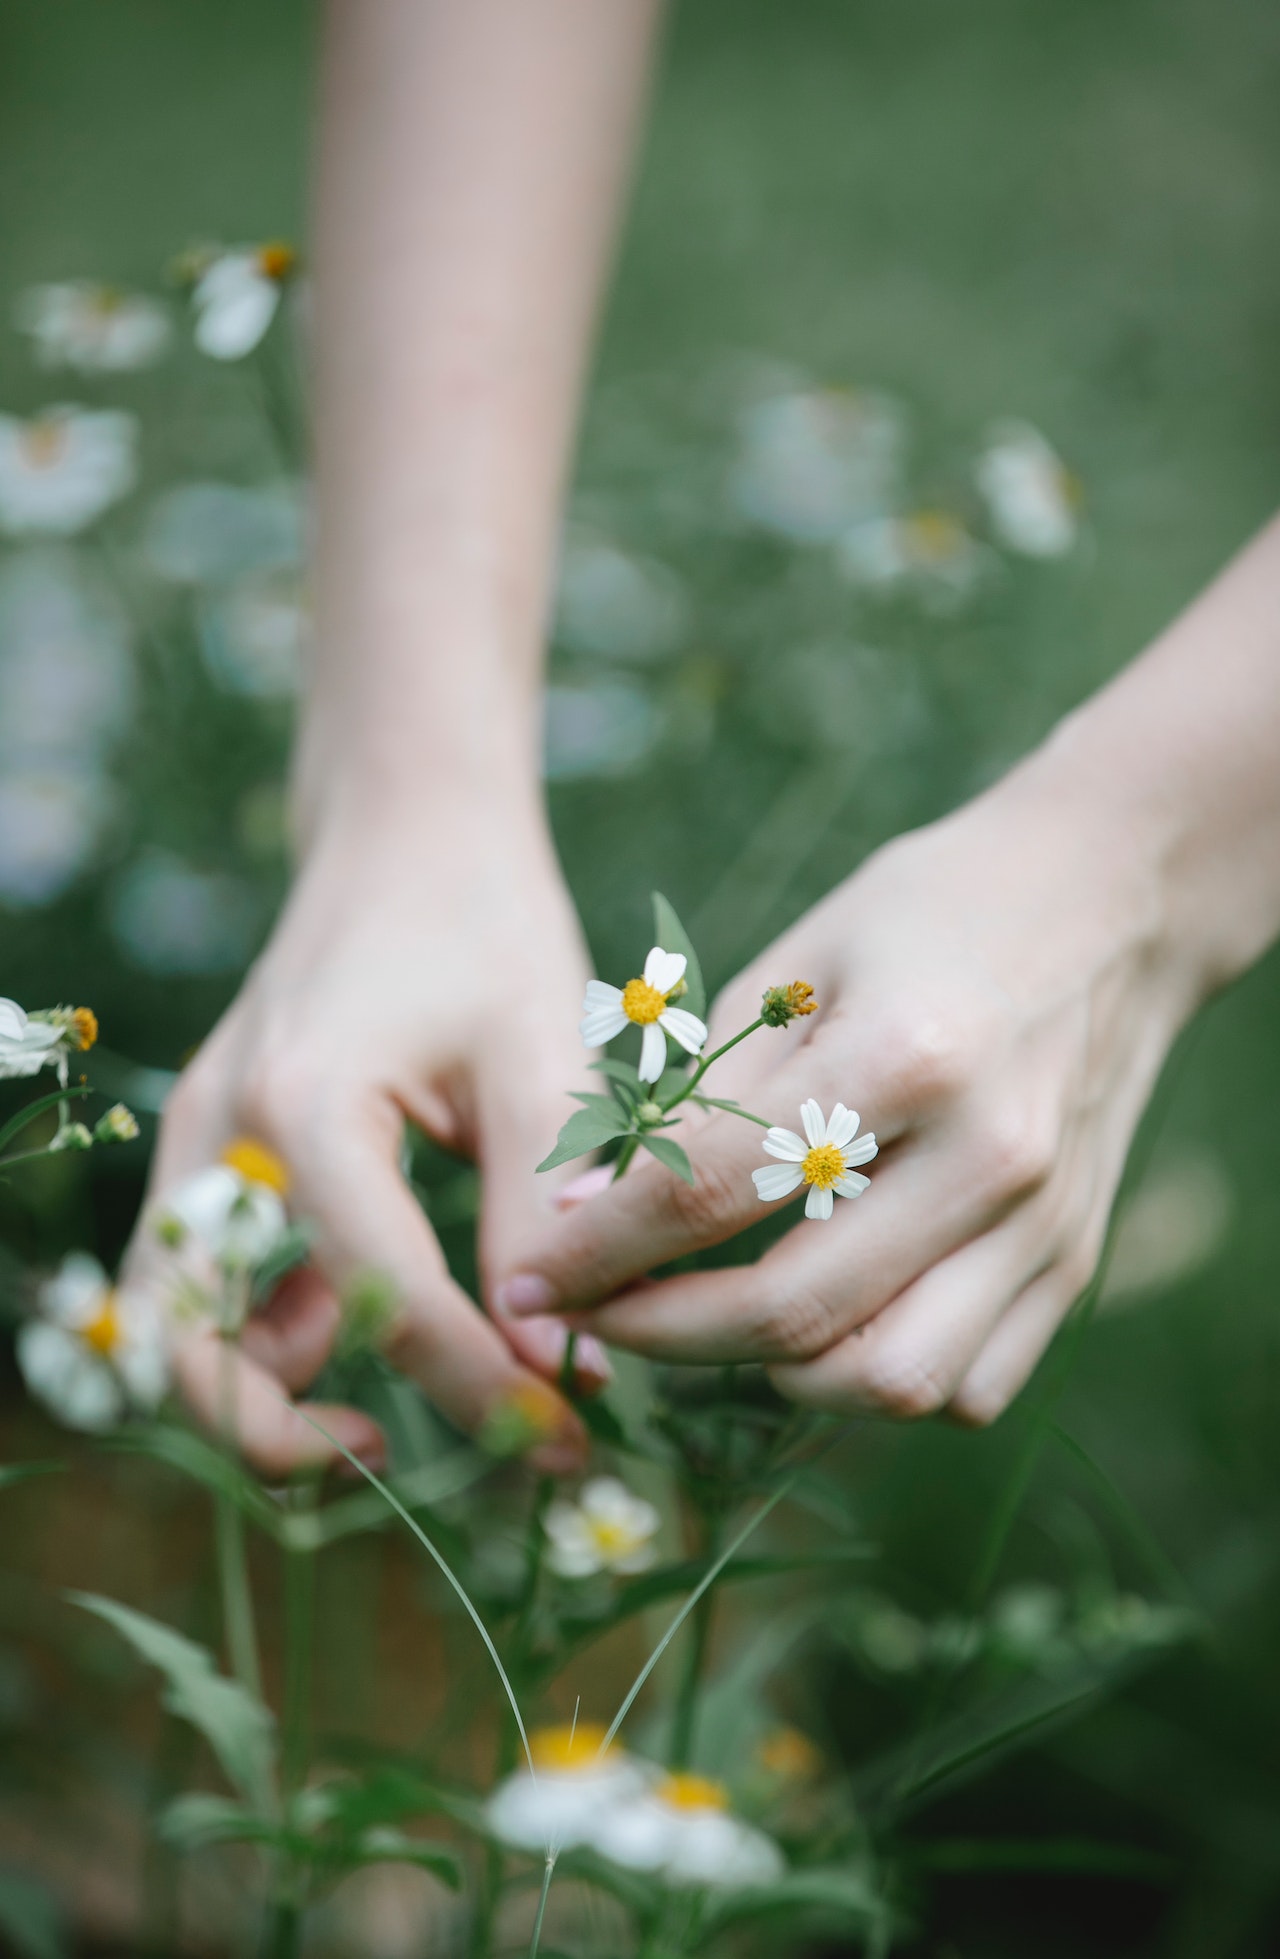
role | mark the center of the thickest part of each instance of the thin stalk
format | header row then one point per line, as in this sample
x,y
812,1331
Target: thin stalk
x,y
542,1904
686,1714
281,1929
233,1564
707,1061
299,1618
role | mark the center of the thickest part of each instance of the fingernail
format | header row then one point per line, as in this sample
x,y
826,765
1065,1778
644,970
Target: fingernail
x,y
590,1361
527,1292
543,1342
589,1184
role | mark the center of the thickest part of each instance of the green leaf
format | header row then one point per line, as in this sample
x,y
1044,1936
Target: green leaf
x,y
672,937
30,1919
206,1464
384,1845
606,1104
621,1072
841,1896
194,1821
22,1472
670,1154
238,1728
730,1108
290,1251
17,1123
585,1131
597,1416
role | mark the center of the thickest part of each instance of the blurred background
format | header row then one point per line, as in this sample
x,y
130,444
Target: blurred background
x,y
940,369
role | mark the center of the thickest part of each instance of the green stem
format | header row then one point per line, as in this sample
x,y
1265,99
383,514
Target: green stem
x,y
299,1612
542,1904
233,1565
281,1929
684,1725
707,1061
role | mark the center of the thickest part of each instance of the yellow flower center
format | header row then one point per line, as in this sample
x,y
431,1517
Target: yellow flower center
x,y
642,1003
789,1755
257,1164
84,1022
611,1539
824,1166
43,443
102,1332
105,301
686,1791
276,261
934,536
566,1749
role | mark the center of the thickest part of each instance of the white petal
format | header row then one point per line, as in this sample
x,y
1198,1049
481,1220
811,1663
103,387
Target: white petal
x,y
74,1295
685,1028
775,1181
842,1125
786,1144
234,307
602,1025
819,1203
851,1184
664,969
13,1020
600,994
815,1123
862,1150
653,1053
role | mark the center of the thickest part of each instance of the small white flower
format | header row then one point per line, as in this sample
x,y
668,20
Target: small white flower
x,y
237,1220
929,551
169,918
602,728
27,1044
680,1829
1032,497
609,1528
824,1158
608,1010
814,461
94,328
616,606
216,533
254,641
560,1806
236,296
94,1353
51,819
62,469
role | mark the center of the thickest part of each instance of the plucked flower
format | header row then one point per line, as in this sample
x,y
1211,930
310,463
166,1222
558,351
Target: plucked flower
x,y
782,1004
575,1781
236,296
823,1158
608,1010
233,1209
93,1353
608,1528
94,328
63,468
681,1830
1031,496
27,1043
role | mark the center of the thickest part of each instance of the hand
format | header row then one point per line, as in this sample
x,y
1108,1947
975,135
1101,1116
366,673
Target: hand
x,y
997,998
415,973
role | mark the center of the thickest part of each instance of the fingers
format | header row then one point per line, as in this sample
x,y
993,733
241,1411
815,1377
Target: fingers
x,y
1010,1357
231,1394
292,1336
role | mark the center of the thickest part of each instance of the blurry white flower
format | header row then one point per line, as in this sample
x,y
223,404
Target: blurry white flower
x,y
64,468
171,919
94,328
236,296
50,822
233,1209
254,641
824,1158
617,606
27,1043
118,1125
893,1640
215,533
93,1353
680,1829
1172,1227
1032,498
608,1010
930,551
66,678
811,463
1026,1622
608,1528
575,1785
606,728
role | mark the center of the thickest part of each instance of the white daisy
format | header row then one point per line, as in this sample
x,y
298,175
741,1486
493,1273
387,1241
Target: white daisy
x,y
94,1353
608,1010
680,1829
824,1158
62,469
233,1209
559,1807
813,461
930,552
236,296
609,1528
1031,495
92,327
26,1044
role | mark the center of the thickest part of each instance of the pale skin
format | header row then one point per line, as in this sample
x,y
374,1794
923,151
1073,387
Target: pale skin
x,y
998,992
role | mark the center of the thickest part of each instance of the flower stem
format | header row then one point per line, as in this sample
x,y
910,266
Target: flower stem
x,y
706,1062
684,1725
233,1566
299,1611
542,1904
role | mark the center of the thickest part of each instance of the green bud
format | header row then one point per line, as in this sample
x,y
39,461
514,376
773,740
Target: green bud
x,y
72,1136
118,1125
650,1112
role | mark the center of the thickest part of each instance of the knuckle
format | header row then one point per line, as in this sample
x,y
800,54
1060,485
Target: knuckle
x,y
979,1405
277,1091
925,1060
903,1388
795,1325
706,1208
1018,1156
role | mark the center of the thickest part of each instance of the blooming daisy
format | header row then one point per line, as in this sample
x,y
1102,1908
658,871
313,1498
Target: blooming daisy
x,y
680,1829
929,552
1031,495
575,1781
236,296
608,1010
64,468
30,1042
824,1158
92,327
93,1353
233,1209
608,1528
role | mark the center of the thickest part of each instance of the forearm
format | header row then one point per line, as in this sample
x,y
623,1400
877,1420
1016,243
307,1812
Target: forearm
x,y
473,155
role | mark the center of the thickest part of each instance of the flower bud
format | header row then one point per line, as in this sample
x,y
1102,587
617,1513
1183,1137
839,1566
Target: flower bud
x,y
118,1125
784,1003
72,1136
650,1112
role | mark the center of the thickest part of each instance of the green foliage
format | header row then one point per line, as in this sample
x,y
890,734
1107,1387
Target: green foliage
x,y
670,1155
588,1129
670,934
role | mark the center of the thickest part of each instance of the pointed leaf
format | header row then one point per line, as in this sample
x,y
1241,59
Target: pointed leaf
x,y
621,1072
194,1821
585,1131
670,1154
22,1472
835,1896
730,1108
17,1123
672,937
605,1104
384,1845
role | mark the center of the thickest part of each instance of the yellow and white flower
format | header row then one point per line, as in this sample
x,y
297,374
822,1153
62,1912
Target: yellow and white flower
x,y
681,1830
236,297
574,1784
608,1010
93,327
63,468
929,551
30,1042
1032,498
824,1158
93,1354
234,1210
608,1528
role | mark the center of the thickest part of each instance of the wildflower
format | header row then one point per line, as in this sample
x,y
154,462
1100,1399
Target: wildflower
x,y
609,1528
784,1003
575,1781
236,296
532,1413
929,551
814,461
92,327
118,1125
72,1136
61,470
615,606
28,1042
234,1209
607,1010
169,918
824,1158
93,1353
1032,498
681,1830
789,1756
51,818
